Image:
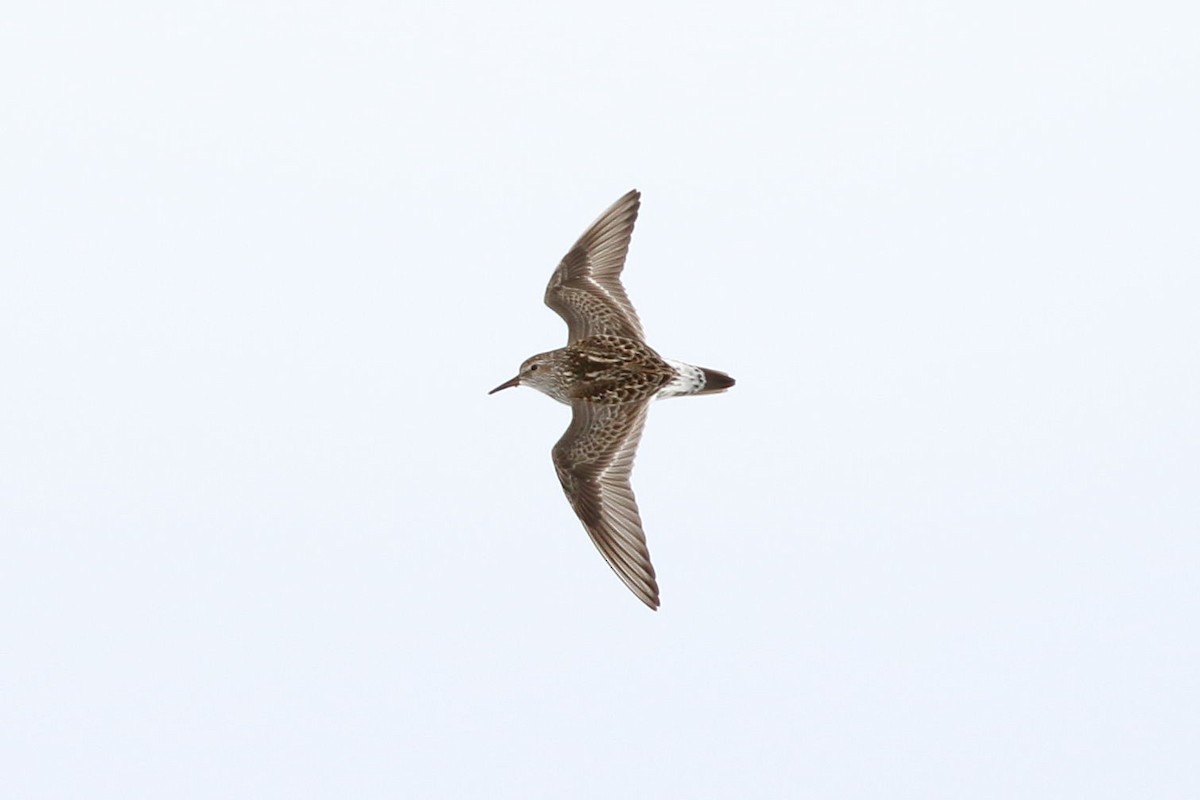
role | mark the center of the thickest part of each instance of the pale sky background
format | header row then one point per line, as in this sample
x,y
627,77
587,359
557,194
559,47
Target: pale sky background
x,y
264,535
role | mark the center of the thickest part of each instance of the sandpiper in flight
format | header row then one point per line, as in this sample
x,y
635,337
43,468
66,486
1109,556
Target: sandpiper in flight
x,y
609,376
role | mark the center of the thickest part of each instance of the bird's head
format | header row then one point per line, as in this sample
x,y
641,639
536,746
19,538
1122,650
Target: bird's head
x,y
538,372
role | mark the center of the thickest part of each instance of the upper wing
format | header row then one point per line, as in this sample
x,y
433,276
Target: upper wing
x,y
593,460
586,288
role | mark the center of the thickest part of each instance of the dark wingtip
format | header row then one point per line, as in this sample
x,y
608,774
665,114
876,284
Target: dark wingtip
x,y
715,381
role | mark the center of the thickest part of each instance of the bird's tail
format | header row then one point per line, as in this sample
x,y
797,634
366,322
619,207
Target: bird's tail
x,y
715,381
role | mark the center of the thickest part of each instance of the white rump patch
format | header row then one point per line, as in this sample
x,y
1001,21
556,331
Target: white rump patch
x,y
688,380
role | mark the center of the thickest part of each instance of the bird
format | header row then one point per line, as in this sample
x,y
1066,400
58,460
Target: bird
x,y
608,375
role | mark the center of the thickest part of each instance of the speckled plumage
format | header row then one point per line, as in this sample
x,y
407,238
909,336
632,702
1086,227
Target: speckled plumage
x,y
603,369
609,376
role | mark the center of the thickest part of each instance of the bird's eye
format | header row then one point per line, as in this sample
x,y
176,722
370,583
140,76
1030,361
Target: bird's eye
x,y
533,367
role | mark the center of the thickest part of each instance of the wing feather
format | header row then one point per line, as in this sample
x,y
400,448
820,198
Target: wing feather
x,y
594,459
585,290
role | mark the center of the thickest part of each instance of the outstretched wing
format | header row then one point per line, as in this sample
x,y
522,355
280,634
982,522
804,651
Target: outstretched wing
x,y
586,288
593,460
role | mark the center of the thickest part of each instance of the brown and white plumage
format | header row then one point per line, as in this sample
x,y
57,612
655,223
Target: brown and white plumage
x,y
593,460
586,288
609,377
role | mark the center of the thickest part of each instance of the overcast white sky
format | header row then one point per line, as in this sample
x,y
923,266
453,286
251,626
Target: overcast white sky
x,y
264,535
